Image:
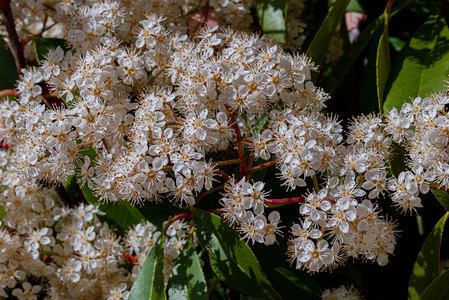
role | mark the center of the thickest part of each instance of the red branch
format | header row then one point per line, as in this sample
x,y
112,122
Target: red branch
x,y
436,187
238,140
285,200
176,218
263,166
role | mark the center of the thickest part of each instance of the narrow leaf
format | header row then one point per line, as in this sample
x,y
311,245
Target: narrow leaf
x,y
231,258
320,43
8,70
149,283
427,265
383,61
187,278
422,66
272,19
442,197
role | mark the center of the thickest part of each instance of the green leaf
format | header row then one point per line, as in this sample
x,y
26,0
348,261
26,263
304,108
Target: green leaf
x,y
318,47
272,18
8,69
442,197
427,265
2,212
438,289
230,257
149,283
383,61
43,45
295,284
422,66
187,278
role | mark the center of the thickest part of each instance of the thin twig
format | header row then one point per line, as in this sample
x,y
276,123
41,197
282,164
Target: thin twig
x,y
8,21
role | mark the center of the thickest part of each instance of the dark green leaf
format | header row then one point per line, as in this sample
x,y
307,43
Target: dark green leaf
x,y
230,257
187,278
427,265
295,284
8,69
2,212
271,16
438,289
149,283
383,63
442,197
422,66
43,45
318,47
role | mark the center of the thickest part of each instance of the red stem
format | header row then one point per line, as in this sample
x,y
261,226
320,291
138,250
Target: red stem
x,y
285,200
8,21
223,174
238,139
263,166
176,218
9,92
436,187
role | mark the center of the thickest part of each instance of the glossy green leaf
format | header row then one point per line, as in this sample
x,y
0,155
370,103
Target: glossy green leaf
x,y
295,284
383,62
318,47
231,258
272,18
187,278
427,264
442,197
149,283
43,45
8,69
422,66
438,289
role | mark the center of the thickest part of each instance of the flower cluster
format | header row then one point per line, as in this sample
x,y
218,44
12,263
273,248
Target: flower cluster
x,y
68,252
422,127
138,111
